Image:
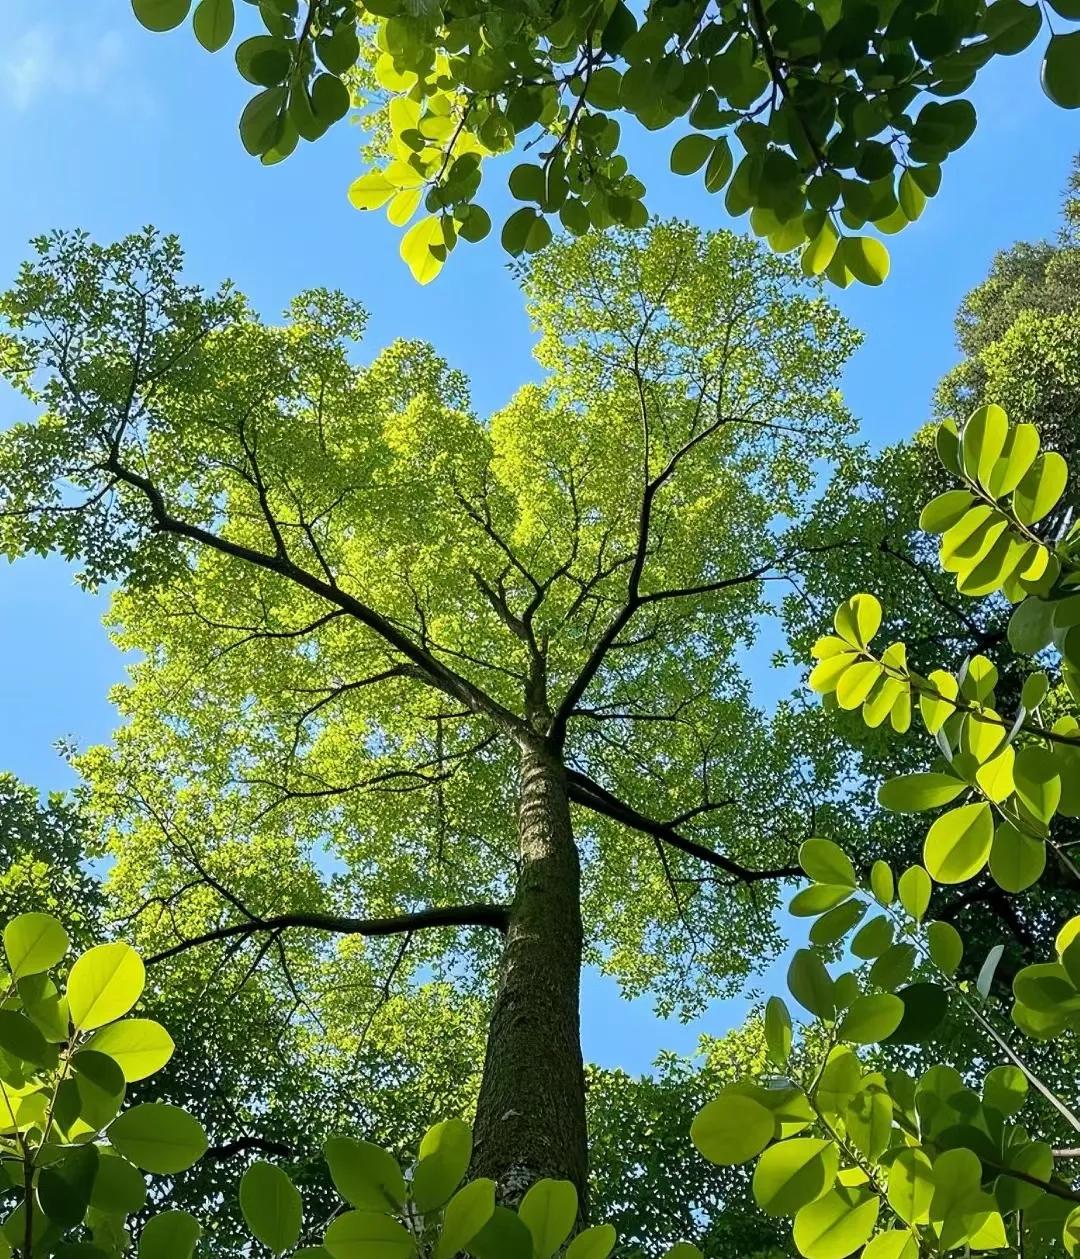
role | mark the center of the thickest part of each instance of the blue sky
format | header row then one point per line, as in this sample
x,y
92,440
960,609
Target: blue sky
x,y
108,127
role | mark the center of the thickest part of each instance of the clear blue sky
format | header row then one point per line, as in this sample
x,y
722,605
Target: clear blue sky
x,y
109,128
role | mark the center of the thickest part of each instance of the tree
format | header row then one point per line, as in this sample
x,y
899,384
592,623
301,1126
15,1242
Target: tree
x,y
836,109
487,671
46,849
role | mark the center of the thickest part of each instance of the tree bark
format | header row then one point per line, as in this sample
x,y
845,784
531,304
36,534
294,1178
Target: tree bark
x,y
530,1116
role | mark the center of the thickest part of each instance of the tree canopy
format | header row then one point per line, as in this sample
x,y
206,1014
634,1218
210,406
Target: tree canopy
x,y
818,119
370,622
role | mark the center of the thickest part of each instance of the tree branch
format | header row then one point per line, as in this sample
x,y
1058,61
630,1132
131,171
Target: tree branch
x,y
479,915
585,791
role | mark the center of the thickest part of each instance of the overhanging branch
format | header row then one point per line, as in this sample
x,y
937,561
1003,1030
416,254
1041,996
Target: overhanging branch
x,y
480,915
585,791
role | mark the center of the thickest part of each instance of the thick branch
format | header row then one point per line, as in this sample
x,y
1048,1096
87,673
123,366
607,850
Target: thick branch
x,y
440,675
480,915
585,791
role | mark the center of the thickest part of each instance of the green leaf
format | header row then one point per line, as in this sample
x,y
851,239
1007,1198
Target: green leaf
x,y
1005,1089
161,15
138,1046
794,1173
810,984
873,939
836,1224
820,251
119,1188
732,1129
982,439
34,943
894,1244
858,619
20,1038
778,1031
1031,626
818,899
445,1152
690,154
503,1237
925,1007
596,1242
1017,861
946,510
913,793
169,1235
958,844
98,1087
549,1209
371,191
1039,491
1061,71
64,1188
835,924
213,23
826,862
866,258
271,1207
893,967
424,248
104,984
466,1214
365,1175
914,889
946,946
261,121
368,1235
911,1186
872,1018
1038,784
881,883
159,1138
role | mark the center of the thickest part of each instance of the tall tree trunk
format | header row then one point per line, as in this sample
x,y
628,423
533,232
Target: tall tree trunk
x,y
530,1117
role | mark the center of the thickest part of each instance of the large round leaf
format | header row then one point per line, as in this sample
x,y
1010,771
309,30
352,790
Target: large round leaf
x,y
836,1225
503,1237
271,1206
958,844
365,1175
64,1187
925,1006
914,792
159,1138
911,1186
826,862
169,1235
466,1214
548,1210
732,1129
161,15
34,943
138,1046
119,1188
1061,70
445,1152
368,1235
872,1018
596,1242
810,984
104,984
791,1174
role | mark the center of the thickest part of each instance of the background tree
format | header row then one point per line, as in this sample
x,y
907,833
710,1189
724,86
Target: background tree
x,y
424,695
46,857
835,108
